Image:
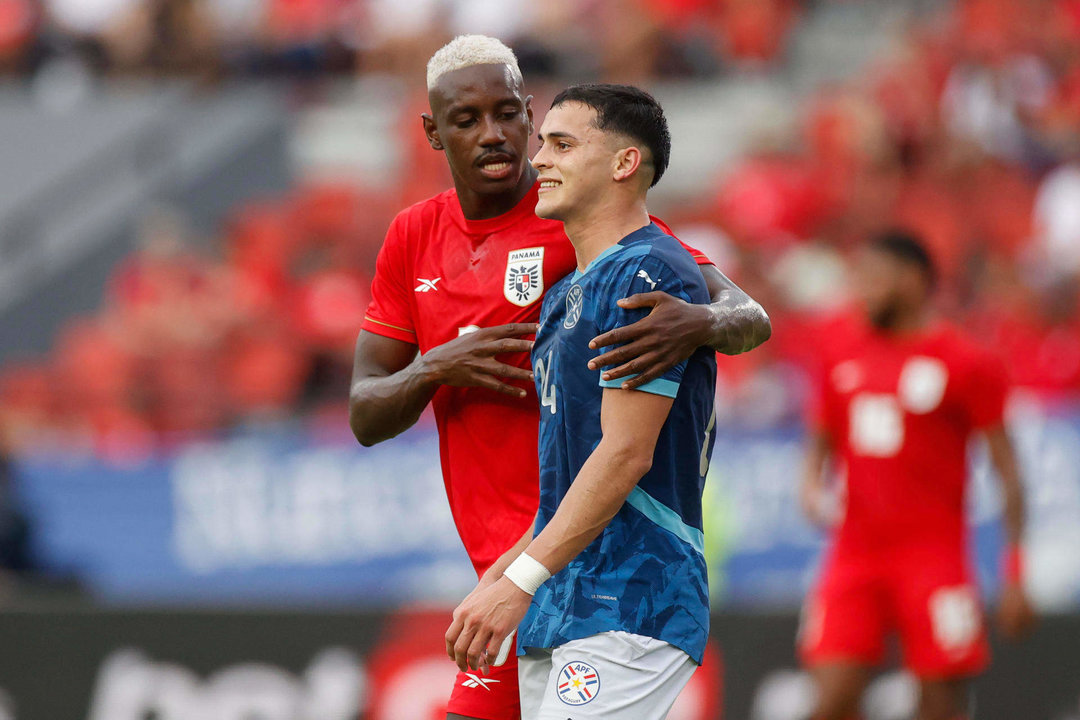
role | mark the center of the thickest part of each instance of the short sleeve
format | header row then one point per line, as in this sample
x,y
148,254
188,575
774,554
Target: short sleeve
x,y
699,257
987,390
390,311
647,275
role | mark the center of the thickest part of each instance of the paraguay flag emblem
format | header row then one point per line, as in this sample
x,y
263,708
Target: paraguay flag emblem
x,y
578,683
524,281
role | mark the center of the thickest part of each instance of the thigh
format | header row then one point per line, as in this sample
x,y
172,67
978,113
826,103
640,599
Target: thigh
x,y
846,617
939,615
614,676
534,669
487,697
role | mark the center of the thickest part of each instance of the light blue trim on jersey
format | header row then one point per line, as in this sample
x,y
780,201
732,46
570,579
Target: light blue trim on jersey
x,y
666,518
657,386
606,254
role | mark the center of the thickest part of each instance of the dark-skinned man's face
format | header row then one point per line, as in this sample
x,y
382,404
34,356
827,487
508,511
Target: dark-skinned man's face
x,y
480,118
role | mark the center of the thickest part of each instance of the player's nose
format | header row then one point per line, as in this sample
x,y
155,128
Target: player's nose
x,y
491,132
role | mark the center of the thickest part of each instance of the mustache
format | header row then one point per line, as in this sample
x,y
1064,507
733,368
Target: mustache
x,y
498,155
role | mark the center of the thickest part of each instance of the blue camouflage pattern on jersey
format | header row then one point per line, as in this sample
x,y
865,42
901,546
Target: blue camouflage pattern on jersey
x,y
645,573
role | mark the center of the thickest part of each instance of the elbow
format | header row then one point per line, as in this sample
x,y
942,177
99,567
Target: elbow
x,y
361,430
635,461
762,327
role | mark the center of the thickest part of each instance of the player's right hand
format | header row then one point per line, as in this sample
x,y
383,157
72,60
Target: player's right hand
x,y
469,360
816,503
1015,614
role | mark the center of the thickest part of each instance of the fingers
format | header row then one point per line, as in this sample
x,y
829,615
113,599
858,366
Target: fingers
x,y
476,657
461,648
643,369
621,355
613,337
512,372
489,382
649,299
510,330
452,634
510,345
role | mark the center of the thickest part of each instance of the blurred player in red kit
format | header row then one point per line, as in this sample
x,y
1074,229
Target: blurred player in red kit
x,y
898,403
459,279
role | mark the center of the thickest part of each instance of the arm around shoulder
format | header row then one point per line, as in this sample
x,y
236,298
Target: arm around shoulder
x,y
739,323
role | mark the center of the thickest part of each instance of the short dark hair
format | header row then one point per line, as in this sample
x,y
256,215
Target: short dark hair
x,y
629,111
908,248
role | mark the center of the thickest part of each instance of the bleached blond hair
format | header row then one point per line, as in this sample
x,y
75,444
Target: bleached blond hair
x,y
468,50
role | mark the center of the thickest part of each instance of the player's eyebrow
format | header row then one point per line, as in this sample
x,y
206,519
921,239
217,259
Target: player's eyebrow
x,y
555,134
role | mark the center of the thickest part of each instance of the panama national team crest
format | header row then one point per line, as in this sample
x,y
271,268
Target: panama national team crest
x,y
574,305
524,282
578,683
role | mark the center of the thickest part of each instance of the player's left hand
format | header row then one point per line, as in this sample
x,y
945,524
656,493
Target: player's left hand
x,y
482,621
1015,614
669,334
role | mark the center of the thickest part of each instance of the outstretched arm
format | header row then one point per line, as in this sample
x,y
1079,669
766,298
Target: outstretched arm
x,y
391,386
1014,611
734,323
631,422
814,491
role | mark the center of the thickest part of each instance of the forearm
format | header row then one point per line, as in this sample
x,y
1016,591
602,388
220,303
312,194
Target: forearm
x,y
595,496
738,322
381,407
1003,458
499,566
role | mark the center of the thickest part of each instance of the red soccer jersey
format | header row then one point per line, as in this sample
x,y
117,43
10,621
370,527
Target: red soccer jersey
x,y
900,411
438,275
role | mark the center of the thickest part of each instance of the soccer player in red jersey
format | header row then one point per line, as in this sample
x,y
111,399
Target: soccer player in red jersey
x,y
898,402
459,279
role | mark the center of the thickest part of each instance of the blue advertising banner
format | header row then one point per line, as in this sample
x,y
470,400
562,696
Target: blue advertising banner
x,y
274,517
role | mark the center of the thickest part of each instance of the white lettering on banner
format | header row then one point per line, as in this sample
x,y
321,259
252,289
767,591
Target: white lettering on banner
x,y
240,505
131,686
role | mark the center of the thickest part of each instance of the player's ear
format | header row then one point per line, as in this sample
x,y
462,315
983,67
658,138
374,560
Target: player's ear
x,y
626,163
431,131
529,112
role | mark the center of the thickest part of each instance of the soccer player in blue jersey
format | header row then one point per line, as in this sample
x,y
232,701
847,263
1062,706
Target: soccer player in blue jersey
x,y
609,590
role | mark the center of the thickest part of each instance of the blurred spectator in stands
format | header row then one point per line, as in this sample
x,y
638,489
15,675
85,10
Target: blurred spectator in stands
x,y
19,21
1057,220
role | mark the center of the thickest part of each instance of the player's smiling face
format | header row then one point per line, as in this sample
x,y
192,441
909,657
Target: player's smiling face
x,y
481,119
574,162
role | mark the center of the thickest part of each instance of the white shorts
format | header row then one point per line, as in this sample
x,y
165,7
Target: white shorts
x,y
610,676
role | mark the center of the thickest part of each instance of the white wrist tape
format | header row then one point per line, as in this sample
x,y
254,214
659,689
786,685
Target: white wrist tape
x,y
527,573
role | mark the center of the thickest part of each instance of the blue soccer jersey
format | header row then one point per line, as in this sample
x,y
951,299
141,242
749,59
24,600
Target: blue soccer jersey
x,y
645,573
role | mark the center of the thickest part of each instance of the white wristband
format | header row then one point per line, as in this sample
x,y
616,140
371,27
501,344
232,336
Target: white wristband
x,y
527,573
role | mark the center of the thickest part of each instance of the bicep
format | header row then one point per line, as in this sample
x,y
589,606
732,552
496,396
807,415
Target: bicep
x,y
633,418
717,282
379,356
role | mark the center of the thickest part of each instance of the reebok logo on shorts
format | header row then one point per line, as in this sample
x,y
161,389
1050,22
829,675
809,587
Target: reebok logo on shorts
x,y
474,681
578,683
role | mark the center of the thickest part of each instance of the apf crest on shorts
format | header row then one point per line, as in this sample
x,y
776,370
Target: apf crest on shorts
x,y
578,683
524,282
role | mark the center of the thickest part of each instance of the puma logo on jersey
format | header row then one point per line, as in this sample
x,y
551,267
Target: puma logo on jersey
x,y
645,276
427,285
475,681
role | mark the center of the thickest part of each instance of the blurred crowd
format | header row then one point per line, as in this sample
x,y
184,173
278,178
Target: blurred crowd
x,y
966,129
629,39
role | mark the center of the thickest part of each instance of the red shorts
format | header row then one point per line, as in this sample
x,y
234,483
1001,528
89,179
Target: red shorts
x,y
927,595
489,697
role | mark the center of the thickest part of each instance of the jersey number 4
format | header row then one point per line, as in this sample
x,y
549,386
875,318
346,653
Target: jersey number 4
x,y
545,369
